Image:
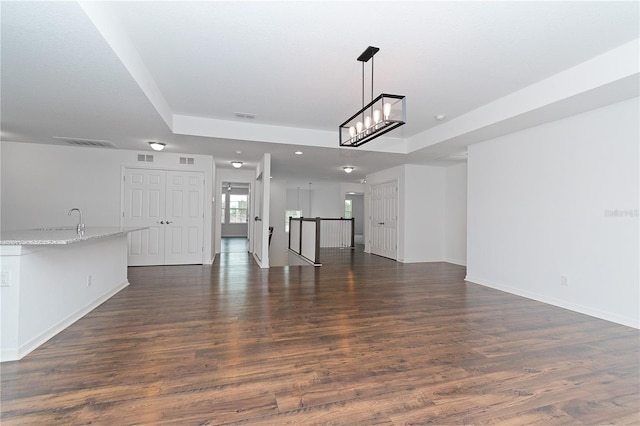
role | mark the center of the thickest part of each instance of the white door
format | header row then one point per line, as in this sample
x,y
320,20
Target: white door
x,y
261,195
184,218
144,206
171,205
384,219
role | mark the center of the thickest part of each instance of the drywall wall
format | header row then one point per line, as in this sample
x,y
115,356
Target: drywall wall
x,y
455,218
553,213
327,201
278,249
40,183
424,213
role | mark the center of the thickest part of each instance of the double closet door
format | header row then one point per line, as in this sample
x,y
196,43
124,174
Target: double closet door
x,y
171,205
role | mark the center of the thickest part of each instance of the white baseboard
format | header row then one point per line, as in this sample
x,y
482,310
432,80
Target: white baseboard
x,y
14,354
596,313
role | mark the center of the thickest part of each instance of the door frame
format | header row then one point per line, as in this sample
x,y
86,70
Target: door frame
x,y
207,240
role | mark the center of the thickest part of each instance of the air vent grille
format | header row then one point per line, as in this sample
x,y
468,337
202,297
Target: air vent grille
x,y
146,158
245,115
86,142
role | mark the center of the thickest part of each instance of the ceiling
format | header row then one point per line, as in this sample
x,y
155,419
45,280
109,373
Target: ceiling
x,y
177,72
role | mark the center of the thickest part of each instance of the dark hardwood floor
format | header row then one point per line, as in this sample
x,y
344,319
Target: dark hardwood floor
x,y
361,340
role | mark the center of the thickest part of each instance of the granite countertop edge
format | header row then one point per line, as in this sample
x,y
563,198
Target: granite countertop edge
x,y
60,235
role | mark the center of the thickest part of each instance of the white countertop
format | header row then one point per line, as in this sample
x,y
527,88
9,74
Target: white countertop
x,y
60,235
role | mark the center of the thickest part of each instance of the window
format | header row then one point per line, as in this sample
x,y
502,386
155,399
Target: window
x,y
223,200
348,209
288,214
238,208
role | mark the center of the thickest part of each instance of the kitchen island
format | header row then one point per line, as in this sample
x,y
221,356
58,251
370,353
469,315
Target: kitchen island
x,y
51,277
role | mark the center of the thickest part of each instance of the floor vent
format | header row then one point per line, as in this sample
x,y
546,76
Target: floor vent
x,y
86,142
187,160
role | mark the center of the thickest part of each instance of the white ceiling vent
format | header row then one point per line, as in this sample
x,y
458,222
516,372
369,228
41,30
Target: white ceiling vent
x,y
86,142
245,115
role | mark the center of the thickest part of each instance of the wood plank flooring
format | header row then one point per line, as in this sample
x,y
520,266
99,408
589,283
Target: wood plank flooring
x,y
361,340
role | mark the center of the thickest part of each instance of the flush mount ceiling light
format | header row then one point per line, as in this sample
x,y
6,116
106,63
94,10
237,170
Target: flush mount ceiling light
x,y
157,146
298,153
381,115
347,169
236,164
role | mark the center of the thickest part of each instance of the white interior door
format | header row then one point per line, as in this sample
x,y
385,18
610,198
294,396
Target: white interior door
x,y
257,220
184,217
262,194
384,219
144,206
171,205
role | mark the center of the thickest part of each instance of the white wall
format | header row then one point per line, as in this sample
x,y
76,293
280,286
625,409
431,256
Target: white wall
x,y
424,213
278,250
327,201
40,183
455,218
539,207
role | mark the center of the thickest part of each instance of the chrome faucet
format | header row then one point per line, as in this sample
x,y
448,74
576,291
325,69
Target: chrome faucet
x,y
80,227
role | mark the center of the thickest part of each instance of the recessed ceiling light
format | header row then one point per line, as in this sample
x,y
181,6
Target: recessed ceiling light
x,y
238,152
440,117
347,169
298,153
236,164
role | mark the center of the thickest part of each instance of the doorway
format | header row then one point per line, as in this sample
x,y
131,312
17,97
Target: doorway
x,y
354,208
234,217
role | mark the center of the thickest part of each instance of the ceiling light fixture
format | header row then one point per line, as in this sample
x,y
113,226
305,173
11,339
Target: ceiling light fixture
x,y
347,169
381,115
298,153
157,146
236,164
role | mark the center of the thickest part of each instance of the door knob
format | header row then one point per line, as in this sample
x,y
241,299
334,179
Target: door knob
x,y
168,222
161,222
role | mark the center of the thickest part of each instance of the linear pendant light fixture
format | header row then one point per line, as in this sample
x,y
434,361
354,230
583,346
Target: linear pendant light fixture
x,y
381,115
